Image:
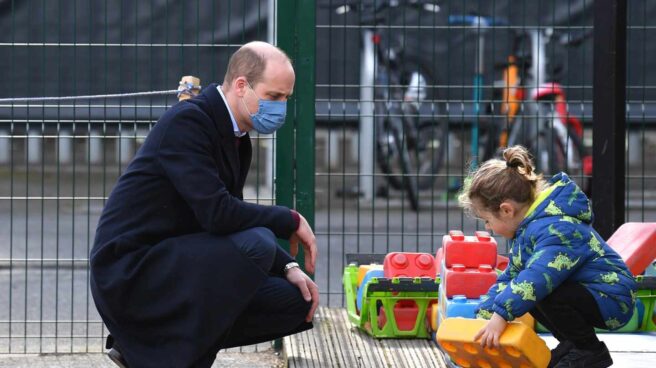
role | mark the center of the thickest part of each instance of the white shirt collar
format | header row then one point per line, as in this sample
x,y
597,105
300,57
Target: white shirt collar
x,y
235,127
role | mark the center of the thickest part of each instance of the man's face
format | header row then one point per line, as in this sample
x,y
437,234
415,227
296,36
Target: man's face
x,y
277,84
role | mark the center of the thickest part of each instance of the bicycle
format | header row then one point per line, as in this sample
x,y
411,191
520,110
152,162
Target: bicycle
x,y
535,114
409,148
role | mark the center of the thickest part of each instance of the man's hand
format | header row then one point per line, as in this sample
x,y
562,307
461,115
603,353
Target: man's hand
x,y
308,288
492,331
305,236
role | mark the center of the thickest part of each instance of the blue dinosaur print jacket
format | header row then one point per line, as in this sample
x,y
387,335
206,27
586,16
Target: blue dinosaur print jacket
x,y
556,242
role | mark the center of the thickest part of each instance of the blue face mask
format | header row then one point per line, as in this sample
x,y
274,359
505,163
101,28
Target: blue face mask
x,y
270,115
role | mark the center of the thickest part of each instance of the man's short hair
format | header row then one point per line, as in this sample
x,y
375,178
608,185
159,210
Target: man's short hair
x,y
248,62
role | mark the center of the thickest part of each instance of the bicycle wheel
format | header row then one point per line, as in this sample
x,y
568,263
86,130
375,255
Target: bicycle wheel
x,y
555,146
410,147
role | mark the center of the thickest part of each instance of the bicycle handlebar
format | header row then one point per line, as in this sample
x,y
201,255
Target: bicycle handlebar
x,y
476,21
377,6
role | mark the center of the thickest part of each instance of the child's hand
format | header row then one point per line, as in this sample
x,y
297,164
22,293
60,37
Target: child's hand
x,y
492,331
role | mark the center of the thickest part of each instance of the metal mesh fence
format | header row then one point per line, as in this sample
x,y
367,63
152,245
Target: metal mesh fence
x,y
411,95
60,159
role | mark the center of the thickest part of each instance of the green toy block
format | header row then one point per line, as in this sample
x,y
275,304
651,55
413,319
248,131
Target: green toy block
x,y
381,295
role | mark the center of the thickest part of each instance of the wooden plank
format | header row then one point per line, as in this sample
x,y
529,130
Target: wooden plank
x,y
335,342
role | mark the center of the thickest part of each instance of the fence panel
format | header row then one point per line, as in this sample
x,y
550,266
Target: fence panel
x,y
411,95
60,158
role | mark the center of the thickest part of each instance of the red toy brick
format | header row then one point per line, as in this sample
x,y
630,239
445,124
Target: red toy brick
x,y
469,251
635,242
470,282
405,315
398,264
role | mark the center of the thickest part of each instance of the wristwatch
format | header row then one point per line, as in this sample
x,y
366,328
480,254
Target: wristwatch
x,y
291,265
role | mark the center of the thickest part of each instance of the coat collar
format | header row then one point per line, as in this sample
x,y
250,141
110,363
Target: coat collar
x,y
238,157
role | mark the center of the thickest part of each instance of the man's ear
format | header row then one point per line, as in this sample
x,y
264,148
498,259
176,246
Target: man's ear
x,y
240,85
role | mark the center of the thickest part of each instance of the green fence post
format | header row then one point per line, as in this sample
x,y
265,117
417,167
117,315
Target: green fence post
x,y
295,141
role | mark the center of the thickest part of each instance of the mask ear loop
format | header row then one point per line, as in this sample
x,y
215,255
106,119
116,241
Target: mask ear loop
x,y
244,103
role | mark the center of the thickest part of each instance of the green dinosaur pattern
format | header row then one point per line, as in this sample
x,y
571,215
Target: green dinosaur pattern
x,y
573,196
484,314
613,323
624,308
553,210
525,289
517,260
586,215
595,245
554,243
562,237
610,278
571,219
508,306
562,261
536,256
547,278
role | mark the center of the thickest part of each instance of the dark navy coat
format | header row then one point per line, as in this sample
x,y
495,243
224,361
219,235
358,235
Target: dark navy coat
x,y
163,278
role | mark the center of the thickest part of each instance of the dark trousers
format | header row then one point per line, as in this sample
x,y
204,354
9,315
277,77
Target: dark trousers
x,y
276,309
571,313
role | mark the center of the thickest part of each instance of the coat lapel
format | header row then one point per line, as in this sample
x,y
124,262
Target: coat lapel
x,y
227,138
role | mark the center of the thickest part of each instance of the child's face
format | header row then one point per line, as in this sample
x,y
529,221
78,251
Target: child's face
x,y
503,222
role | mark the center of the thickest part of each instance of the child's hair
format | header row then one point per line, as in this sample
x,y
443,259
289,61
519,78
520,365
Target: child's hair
x,y
498,180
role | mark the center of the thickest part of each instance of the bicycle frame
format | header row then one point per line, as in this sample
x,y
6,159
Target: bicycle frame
x,y
543,96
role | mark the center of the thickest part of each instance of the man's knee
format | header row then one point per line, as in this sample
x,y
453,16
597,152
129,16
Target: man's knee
x,y
259,244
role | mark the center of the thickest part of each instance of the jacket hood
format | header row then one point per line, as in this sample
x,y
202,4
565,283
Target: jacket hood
x,y
562,198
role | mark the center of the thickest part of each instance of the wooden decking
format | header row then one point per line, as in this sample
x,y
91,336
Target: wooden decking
x,y
335,342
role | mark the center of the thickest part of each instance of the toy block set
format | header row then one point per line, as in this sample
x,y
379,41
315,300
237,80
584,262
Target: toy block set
x,y
416,295
391,295
467,270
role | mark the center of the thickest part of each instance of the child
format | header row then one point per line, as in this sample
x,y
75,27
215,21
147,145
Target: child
x,y
561,271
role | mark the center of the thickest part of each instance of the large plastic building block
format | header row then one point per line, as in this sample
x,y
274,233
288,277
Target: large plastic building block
x,y
636,244
469,251
370,275
363,269
470,282
527,319
434,321
405,315
459,306
520,346
439,258
385,292
502,262
398,264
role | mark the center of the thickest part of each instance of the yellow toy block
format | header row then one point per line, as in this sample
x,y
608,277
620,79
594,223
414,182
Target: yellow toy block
x,y
520,346
433,316
527,319
363,269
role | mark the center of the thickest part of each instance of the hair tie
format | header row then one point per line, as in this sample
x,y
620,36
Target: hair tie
x,y
508,164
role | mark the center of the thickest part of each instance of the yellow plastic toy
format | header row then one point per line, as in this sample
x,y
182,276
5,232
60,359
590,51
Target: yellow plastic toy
x,y
363,269
520,346
528,320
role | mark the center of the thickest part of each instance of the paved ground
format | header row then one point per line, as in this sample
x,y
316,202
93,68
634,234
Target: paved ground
x,y
234,360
